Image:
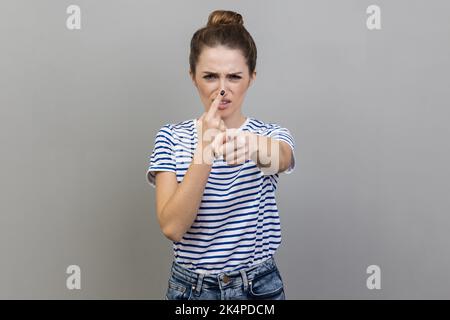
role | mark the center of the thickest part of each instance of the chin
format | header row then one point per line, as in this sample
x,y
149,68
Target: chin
x,y
227,111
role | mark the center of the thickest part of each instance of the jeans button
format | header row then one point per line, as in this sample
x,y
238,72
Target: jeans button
x,y
226,279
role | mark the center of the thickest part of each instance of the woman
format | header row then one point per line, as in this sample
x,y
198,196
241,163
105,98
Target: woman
x,y
216,175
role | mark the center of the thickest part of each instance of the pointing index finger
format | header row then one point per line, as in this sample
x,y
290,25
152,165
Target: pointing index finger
x,y
212,112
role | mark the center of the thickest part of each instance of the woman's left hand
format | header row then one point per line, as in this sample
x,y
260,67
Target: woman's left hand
x,y
234,145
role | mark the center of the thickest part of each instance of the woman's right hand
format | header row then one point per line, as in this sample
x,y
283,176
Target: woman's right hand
x,y
209,125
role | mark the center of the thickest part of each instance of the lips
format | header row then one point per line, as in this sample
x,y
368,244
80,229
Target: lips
x,y
224,103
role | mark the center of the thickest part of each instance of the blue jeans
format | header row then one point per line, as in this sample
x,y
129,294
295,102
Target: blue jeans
x,y
259,282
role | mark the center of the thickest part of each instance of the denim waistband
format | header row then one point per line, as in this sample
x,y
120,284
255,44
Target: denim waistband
x,y
223,279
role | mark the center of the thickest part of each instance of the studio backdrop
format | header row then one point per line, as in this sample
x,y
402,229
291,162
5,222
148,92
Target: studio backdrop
x,y
361,85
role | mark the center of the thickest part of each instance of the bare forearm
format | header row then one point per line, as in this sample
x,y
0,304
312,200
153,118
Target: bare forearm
x,y
181,210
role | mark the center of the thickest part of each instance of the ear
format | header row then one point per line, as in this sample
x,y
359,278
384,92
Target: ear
x,y
252,78
192,77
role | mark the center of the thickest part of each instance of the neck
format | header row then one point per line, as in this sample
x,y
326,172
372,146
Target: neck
x,y
234,121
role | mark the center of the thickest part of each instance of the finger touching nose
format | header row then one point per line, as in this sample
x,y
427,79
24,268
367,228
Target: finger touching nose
x,y
218,94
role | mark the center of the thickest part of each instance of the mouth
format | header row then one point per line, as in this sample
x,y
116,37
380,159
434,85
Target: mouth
x,y
224,103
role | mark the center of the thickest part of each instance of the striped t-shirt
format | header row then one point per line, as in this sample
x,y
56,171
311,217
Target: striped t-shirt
x,y
237,223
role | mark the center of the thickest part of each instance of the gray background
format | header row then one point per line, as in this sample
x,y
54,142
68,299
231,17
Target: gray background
x,y
368,110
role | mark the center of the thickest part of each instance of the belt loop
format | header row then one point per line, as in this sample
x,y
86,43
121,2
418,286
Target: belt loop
x,y
198,286
244,279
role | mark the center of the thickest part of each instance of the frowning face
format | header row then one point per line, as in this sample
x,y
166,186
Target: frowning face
x,y
221,68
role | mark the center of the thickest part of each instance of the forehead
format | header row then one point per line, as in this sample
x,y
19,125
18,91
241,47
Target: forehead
x,y
221,59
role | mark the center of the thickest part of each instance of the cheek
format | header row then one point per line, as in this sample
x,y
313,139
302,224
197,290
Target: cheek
x,y
239,91
205,89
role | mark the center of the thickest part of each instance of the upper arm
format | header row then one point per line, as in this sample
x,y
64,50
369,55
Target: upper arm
x,y
287,153
166,185
161,172
287,147
163,156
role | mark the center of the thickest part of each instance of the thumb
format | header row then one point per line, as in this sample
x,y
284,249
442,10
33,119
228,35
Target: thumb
x,y
217,143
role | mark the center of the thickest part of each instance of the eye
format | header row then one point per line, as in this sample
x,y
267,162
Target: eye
x,y
235,77
209,76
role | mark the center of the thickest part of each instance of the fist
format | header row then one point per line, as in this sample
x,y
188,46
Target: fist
x,y
234,145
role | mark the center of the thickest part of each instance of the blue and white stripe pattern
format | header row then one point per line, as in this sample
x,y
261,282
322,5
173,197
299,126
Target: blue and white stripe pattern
x,y
237,224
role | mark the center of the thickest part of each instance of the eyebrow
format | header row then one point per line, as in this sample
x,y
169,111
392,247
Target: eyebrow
x,y
210,72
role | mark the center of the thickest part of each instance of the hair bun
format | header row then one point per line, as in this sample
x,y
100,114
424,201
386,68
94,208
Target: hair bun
x,y
220,17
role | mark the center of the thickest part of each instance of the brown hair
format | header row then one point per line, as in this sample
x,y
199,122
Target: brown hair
x,y
224,28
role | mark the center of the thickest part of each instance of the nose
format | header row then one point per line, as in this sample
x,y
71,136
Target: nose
x,y
222,86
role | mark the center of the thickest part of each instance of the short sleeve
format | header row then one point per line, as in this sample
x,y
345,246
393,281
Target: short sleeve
x,y
283,134
163,156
